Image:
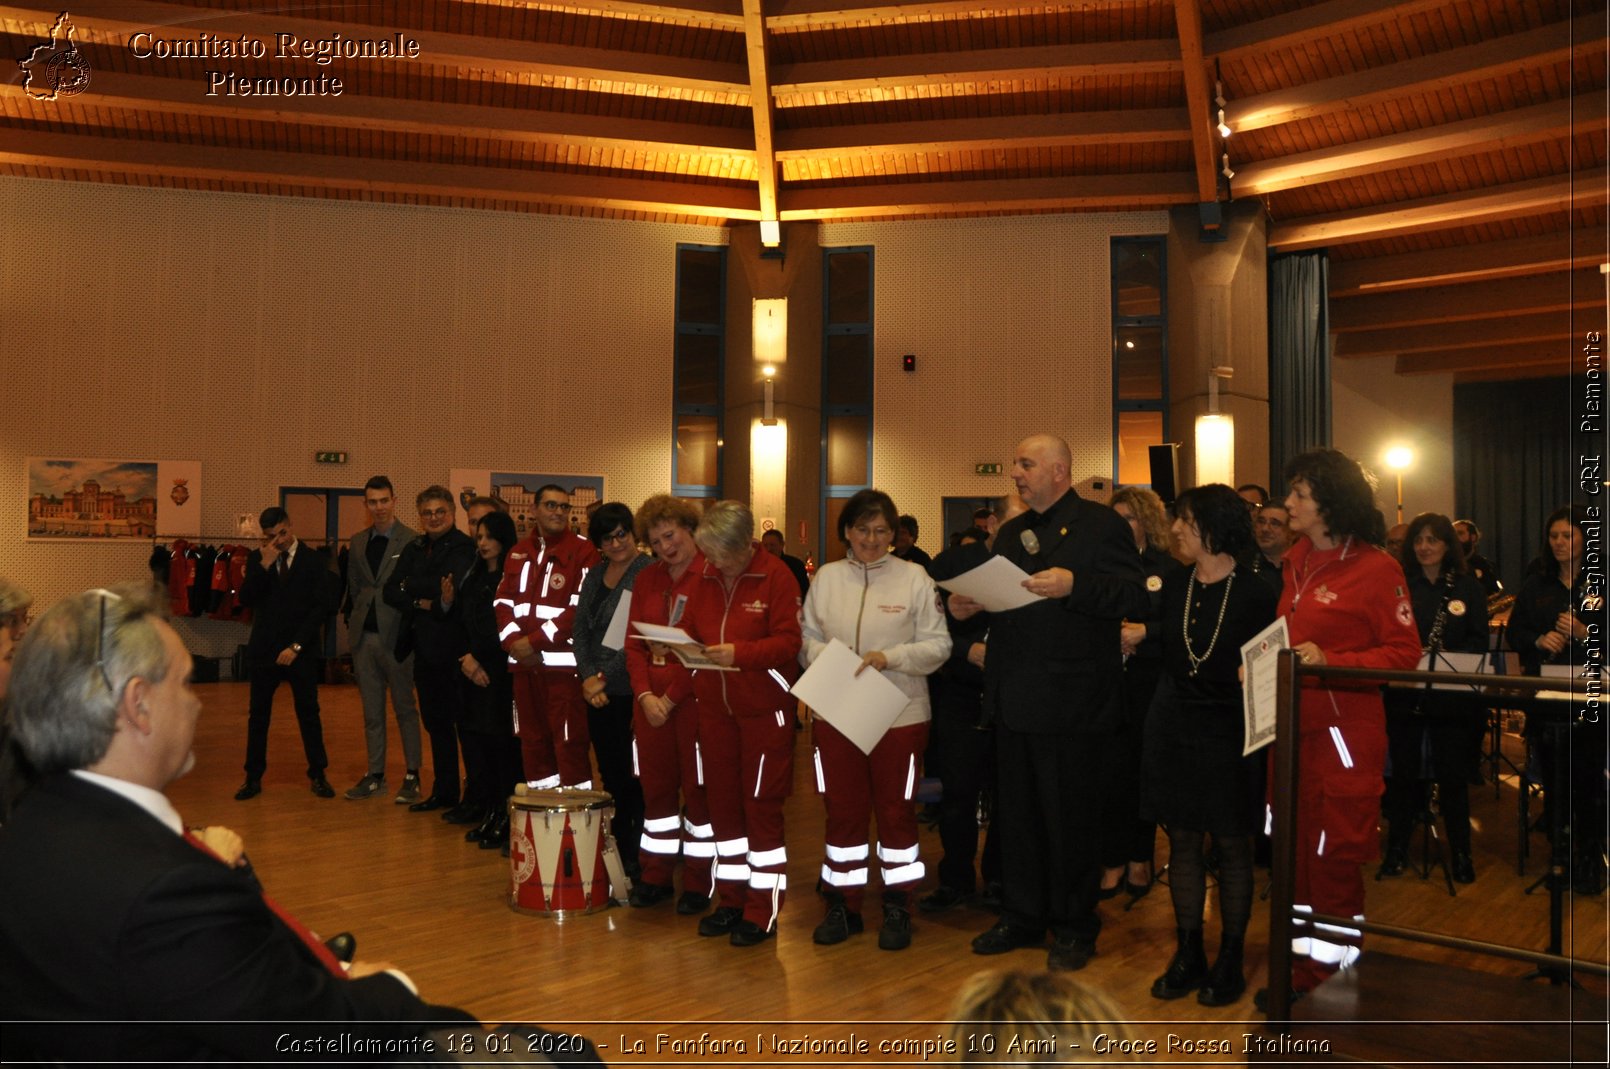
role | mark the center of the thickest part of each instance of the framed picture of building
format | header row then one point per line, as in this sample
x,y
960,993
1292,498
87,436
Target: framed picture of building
x,y
102,500
518,490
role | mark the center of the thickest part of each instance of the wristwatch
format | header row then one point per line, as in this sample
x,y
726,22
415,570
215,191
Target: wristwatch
x,y
296,647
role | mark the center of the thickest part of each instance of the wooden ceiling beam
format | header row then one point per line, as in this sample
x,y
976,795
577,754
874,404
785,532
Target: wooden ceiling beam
x,y
722,14
1541,371
1311,21
1544,45
986,195
1199,100
824,14
124,18
174,96
980,65
1499,298
29,148
1473,333
996,132
1552,121
760,103
1583,247
1539,359
1537,196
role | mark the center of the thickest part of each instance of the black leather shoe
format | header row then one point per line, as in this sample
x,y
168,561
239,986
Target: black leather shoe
x,y
1225,983
322,788
692,903
498,837
1070,955
1187,969
748,934
837,926
941,899
644,895
896,931
1464,869
483,829
343,946
722,922
430,803
1393,863
466,813
250,789
1004,938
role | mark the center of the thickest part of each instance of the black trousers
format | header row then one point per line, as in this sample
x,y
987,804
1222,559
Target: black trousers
x,y
439,713
1049,807
611,732
303,676
963,757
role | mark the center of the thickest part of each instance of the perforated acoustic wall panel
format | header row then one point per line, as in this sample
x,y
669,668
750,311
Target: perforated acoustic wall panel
x,y
248,332
1010,322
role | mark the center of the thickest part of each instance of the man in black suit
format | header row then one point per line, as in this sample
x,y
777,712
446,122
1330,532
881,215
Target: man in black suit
x,y
1051,686
772,542
290,589
171,952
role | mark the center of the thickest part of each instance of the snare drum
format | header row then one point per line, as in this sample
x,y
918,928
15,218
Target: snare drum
x,y
557,842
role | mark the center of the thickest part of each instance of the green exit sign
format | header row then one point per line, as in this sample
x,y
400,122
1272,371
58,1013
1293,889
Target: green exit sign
x,y
986,469
340,458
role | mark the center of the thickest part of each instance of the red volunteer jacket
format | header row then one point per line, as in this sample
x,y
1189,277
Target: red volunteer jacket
x,y
761,619
537,597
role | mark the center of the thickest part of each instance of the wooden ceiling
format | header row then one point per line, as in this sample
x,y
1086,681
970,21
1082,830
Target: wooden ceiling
x,y
1449,153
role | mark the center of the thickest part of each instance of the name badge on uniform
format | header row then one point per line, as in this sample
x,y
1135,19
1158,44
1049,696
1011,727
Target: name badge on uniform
x,y
1456,607
1154,583
677,608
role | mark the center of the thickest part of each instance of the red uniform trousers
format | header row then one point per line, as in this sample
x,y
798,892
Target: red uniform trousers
x,y
748,772
666,759
552,725
1338,806
854,786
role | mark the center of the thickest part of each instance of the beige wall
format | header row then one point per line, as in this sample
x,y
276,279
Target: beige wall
x,y
1372,409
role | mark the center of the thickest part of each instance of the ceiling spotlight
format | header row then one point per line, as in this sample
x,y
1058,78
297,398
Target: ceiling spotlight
x,y
1218,98
1224,167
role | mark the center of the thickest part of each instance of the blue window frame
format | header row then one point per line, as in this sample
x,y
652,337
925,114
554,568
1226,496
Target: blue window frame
x,y
1139,354
698,371
846,384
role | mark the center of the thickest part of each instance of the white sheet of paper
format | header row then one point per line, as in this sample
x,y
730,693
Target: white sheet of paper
x,y
1473,663
671,636
615,633
997,584
1259,657
861,706
682,644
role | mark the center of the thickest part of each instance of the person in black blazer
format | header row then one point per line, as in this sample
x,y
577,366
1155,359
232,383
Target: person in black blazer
x,y
174,952
1053,675
291,591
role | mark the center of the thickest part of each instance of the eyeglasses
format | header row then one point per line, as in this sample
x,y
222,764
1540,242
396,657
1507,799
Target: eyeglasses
x,y
615,536
17,623
553,506
100,639
433,514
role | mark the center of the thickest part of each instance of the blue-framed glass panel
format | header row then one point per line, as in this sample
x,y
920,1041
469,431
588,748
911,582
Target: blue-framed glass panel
x,y
698,370
1139,354
846,438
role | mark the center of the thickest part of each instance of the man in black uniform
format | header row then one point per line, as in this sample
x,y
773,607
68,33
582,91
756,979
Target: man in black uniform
x,y
1271,533
1051,686
291,591
905,543
442,552
1484,570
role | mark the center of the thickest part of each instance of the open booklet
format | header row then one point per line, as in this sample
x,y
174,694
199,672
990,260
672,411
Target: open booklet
x,y
683,645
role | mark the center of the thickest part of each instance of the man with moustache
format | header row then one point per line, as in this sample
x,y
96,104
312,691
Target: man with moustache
x,y
1484,570
1271,534
1051,686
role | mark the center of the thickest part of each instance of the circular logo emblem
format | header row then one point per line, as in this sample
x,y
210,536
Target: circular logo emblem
x,y
67,74
526,854
557,580
1456,607
1405,614
1154,583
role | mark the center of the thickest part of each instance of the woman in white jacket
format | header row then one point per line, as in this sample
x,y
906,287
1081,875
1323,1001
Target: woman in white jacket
x,y
887,611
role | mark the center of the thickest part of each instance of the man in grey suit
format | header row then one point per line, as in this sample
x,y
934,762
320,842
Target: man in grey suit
x,y
373,639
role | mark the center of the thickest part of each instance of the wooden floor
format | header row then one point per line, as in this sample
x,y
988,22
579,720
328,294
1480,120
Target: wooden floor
x,y
417,895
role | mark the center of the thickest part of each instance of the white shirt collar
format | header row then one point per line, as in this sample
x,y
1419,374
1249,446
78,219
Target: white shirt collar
x,y
153,802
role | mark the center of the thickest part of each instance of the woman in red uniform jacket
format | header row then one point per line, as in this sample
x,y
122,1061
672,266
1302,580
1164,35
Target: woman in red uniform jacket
x,y
745,611
1346,604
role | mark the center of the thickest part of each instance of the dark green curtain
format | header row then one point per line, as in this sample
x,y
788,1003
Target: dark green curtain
x,y
1512,465
1299,357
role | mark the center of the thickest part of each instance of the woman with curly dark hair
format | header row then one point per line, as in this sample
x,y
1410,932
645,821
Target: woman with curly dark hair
x,y
1450,610
1196,781
1346,604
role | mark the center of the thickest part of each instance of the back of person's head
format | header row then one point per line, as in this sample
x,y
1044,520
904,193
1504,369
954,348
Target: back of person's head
x,y
1221,518
1045,1012
71,670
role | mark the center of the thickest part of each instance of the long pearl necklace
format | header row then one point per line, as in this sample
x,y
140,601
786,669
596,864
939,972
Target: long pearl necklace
x,y
1190,594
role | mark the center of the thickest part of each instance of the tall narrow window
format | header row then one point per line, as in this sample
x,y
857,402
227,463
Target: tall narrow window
x,y
1140,355
846,385
696,378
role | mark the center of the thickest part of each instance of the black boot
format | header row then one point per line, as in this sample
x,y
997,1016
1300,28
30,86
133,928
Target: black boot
x,y
1225,983
483,829
498,836
1186,971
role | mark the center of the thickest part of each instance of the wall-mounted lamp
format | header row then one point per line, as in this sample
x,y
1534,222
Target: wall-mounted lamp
x,y
770,318
1399,458
1215,436
771,233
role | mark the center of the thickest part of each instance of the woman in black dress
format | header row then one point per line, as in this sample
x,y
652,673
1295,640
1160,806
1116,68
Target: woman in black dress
x,y
1450,609
1197,783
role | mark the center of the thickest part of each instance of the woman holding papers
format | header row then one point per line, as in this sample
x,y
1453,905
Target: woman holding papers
x,y
665,721
887,612
605,686
745,612
1346,604
1196,780
1450,610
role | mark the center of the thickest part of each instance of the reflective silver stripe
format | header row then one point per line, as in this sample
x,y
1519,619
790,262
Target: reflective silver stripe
x,y
1341,746
778,676
698,848
760,775
525,576
698,765
732,872
821,778
732,847
549,630
547,574
584,785
637,768
1320,851
658,846
768,881
852,878
852,853
512,629
660,825
781,720
911,776
764,859
559,660
698,831
547,612
896,857
504,602
522,610
1338,954
904,874
547,783
575,599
